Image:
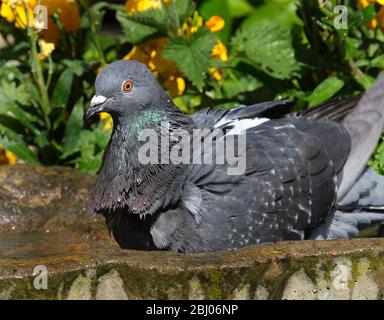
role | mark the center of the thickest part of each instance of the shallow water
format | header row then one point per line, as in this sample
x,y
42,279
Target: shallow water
x,y
37,245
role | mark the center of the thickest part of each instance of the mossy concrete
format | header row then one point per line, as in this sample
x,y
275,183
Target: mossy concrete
x,y
43,223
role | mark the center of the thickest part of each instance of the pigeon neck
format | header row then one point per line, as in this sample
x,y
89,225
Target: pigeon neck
x,y
124,181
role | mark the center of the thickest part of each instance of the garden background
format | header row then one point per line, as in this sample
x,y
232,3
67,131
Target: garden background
x,y
210,53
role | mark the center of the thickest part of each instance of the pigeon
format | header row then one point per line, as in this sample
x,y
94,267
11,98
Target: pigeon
x,y
305,174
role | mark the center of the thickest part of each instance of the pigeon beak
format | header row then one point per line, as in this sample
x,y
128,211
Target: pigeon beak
x,y
95,107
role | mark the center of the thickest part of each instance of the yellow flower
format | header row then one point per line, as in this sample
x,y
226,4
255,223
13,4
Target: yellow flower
x,y
215,24
150,54
219,51
7,157
136,54
175,85
216,74
46,48
180,85
6,12
11,157
373,23
143,5
108,121
21,13
192,25
104,116
108,125
361,4
378,20
18,11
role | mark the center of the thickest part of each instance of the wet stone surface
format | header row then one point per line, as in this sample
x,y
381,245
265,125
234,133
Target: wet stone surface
x,y
43,222
42,212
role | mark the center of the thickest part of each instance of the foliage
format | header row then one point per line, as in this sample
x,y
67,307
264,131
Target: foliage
x,y
43,94
215,53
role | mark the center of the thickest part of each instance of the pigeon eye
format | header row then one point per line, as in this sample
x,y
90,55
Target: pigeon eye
x,y
128,85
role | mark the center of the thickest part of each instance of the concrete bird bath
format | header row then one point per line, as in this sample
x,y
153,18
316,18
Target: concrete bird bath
x,y
43,222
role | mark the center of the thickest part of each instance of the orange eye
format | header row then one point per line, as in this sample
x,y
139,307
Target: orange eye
x,y
128,85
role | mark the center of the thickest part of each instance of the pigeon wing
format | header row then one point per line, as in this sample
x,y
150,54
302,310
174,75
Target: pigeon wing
x,y
287,189
210,118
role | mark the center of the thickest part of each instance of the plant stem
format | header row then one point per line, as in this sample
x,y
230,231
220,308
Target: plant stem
x,y
37,71
358,74
38,76
93,23
50,71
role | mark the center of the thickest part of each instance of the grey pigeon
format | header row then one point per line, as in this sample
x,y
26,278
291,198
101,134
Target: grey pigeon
x,y
304,178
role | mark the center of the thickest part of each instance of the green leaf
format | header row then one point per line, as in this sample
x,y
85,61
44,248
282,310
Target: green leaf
x,y
134,32
12,124
192,55
11,98
220,8
73,128
141,26
26,119
102,137
91,164
369,13
87,143
270,48
378,62
363,79
77,66
102,5
63,87
184,8
377,161
14,143
9,91
325,90
10,73
237,80
188,103
363,62
282,13
239,8
352,45
239,83
21,152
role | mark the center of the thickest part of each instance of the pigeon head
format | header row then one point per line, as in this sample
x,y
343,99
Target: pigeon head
x,y
124,88
129,92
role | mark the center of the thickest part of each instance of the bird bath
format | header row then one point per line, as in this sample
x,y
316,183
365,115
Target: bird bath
x,y
43,222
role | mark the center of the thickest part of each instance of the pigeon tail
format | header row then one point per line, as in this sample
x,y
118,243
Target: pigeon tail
x,y
335,110
365,125
362,206
346,225
366,194
364,120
